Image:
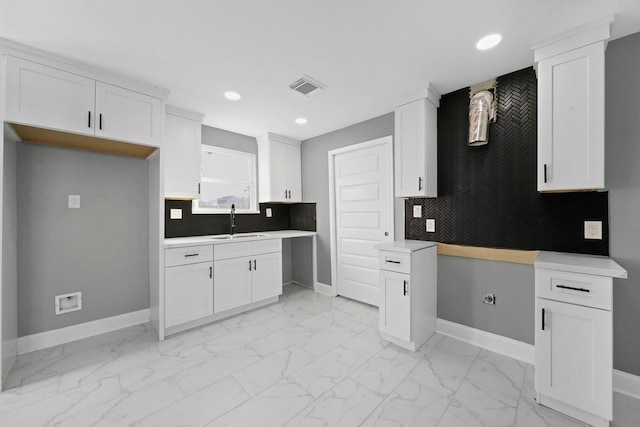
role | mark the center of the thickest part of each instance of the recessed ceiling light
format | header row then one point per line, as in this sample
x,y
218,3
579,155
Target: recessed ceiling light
x,y
487,42
301,121
233,96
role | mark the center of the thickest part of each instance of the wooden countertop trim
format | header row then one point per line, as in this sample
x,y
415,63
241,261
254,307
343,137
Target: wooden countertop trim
x,y
505,255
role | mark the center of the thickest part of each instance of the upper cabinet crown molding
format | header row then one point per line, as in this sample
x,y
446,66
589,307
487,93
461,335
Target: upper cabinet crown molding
x,y
182,151
571,78
279,169
415,145
9,47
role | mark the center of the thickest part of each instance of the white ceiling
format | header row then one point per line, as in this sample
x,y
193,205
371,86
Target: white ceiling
x,y
368,52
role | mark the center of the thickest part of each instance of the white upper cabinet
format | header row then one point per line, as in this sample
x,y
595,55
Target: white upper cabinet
x,y
571,73
416,149
126,115
48,97
279,169
42,96
182,150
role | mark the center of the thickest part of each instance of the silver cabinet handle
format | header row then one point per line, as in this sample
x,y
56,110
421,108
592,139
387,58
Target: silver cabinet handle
x,y
419,183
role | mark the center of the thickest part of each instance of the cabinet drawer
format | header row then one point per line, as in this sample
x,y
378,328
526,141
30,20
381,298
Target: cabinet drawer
x,y
188,255
395,261
231,250
266,246
576,288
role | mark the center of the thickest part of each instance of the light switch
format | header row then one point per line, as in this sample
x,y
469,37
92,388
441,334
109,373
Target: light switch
x,y
431,225
74,201
417,211
268,212
175,214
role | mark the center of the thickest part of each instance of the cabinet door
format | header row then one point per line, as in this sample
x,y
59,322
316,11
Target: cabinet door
x,y
127,116
574,355
279,188
294,173
47,97
188,293
182,154
232,283
571,120
395,306
266,281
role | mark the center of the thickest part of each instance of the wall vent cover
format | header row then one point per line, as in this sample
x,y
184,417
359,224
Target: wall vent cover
x,y
307,86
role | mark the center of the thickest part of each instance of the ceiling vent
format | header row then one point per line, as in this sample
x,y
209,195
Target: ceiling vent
x,y
307,86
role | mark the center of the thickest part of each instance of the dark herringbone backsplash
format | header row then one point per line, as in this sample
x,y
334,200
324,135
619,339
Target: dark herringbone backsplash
x,y
487,195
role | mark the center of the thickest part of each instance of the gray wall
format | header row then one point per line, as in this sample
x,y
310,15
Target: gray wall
x,y
462,283
101,249
315,180
9,288
231,140
623,181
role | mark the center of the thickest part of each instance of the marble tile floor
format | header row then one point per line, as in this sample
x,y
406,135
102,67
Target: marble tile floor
x,y
308,360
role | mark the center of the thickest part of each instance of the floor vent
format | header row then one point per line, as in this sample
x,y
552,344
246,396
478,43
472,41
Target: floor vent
x,y
307,86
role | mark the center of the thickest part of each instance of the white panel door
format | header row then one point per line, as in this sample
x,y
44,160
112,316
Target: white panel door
x,y
279,171
231,283
48,97
127,116
294,174
182,153
410,149
573,355
363,217
395,305
266,281
188,293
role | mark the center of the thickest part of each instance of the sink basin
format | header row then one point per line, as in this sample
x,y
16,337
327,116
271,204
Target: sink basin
x,y
237,236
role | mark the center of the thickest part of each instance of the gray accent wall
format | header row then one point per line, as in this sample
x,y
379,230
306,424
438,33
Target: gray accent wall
x,y
462,283
315,180
230,140
622,168
101,249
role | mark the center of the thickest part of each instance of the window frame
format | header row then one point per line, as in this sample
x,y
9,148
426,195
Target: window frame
x,y
253,196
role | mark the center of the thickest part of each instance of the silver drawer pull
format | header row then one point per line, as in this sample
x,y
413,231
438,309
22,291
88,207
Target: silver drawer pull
x,y
190,255
392,261
572,288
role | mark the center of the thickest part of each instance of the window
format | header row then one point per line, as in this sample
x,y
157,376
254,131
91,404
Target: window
x,y
226,177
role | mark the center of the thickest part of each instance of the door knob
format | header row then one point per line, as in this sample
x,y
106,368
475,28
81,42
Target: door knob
x,y
386,233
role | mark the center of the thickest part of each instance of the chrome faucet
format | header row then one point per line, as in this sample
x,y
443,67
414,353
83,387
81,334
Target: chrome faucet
x,y
232,219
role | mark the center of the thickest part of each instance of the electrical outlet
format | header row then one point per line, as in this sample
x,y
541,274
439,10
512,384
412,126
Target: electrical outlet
x,y
489,299
593,230
417,211
175,214
431,225
74,201
268,212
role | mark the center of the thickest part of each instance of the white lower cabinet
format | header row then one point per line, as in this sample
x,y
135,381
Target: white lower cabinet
x,y
574,336
409,292
188,284
246,272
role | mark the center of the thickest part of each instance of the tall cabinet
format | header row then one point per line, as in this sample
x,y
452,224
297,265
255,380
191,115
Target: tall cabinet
x,y
182,158
574,336
415,145
279,169
571,79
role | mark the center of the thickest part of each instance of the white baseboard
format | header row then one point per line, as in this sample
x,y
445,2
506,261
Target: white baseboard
x,y
59,336
626,383
623,382
503,345
324,289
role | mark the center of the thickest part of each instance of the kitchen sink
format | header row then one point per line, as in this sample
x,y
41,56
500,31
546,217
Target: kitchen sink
x,y
236,236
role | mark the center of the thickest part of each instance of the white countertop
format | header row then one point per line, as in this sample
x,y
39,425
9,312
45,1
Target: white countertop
x,y
406,246
578,263
177,242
